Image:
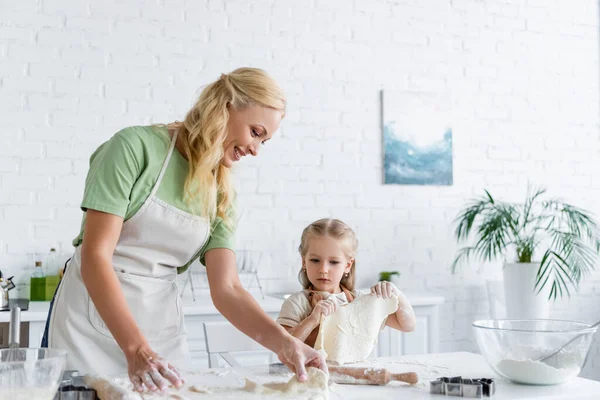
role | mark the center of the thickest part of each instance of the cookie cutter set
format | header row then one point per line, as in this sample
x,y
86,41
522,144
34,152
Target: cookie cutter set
x,y
463,387
72,387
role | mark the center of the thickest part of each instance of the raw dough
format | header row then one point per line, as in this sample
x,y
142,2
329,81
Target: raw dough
x,y
315,388
350,333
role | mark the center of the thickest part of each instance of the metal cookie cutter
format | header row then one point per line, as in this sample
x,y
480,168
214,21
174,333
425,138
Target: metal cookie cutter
x,y
457,386
72,387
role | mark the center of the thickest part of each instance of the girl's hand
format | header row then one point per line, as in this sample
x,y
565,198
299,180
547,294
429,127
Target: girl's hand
x,y
324,307
384,289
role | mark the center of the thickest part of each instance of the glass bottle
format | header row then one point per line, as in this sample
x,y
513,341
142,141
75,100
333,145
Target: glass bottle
x,y
38,283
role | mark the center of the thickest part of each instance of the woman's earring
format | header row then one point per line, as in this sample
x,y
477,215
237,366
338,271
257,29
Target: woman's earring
x,y
346,274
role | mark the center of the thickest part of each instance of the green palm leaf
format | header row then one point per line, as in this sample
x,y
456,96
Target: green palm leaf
x,y
499,227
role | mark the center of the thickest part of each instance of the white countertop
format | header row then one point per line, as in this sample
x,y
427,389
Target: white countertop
x,y
468,365
38,311
429,367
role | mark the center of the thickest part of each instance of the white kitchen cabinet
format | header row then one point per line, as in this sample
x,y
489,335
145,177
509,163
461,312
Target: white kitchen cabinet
x,y
423,340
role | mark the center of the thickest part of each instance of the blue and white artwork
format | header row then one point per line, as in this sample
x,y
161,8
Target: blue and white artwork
x,y
417,139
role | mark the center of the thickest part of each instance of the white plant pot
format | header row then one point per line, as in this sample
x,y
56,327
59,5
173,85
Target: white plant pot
x,y
522,299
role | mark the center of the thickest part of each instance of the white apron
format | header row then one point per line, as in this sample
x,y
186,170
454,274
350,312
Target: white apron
x,y
153,243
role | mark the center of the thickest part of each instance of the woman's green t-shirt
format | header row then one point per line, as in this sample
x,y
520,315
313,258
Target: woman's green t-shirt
x,y
123,171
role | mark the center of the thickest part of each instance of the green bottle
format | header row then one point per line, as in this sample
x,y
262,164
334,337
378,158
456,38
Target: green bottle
x,y
38,283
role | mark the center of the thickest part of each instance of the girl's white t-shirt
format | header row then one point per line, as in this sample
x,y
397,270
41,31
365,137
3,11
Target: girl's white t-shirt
x,y
297,308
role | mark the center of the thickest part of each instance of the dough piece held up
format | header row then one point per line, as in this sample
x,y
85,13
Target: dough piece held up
x,y
350,333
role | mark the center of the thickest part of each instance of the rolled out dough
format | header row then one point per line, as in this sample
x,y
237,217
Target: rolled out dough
x,y
350,333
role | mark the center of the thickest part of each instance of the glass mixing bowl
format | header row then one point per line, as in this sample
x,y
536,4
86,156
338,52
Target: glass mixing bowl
x,y
27,374
513,348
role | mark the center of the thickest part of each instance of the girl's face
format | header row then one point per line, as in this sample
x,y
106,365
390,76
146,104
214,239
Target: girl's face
x,y
326,263
247,130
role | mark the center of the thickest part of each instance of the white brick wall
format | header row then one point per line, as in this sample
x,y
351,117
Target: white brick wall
x,y
522,76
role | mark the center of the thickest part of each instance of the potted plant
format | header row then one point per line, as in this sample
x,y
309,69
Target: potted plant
x,y
388,275
568,237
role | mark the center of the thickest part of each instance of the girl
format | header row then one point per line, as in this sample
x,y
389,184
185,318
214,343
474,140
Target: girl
x,y
328,248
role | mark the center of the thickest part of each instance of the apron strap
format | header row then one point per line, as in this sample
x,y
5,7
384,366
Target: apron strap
x,y
165,164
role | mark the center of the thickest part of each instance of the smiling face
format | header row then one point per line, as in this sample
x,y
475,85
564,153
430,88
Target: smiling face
x,y
247,130
326,263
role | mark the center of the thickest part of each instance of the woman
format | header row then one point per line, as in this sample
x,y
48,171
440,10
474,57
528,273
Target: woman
x,y
157,198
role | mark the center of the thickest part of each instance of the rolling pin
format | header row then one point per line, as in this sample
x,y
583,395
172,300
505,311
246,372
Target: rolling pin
x,y
368,376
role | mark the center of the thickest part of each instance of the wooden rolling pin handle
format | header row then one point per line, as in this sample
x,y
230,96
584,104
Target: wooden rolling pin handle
x,y
408,377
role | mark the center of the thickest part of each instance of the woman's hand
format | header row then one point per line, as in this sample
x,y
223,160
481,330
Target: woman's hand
x,y
323,307
297,356
385,289
147,369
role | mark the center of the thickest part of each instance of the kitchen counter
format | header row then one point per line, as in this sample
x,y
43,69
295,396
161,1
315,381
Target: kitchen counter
x,y
428,367
37,312
468,365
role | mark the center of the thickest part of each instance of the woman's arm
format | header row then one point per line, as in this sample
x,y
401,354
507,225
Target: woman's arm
x,y
101,233
242,310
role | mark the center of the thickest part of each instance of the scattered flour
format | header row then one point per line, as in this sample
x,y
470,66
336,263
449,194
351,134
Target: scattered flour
x,y
219,373
535,372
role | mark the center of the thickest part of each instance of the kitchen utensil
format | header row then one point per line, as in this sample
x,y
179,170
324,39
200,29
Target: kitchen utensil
x,y
368,376
27,374
457,386
511,348
553,359
5,287
73,387
356,375
14,333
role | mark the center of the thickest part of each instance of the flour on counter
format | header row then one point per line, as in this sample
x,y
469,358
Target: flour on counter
x,y
315,388
350,333
527,371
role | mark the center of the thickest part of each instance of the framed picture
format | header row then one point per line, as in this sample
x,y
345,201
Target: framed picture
x,y
417,139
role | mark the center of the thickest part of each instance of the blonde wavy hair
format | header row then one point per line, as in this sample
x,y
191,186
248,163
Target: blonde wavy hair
x,y
208,186
336,229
